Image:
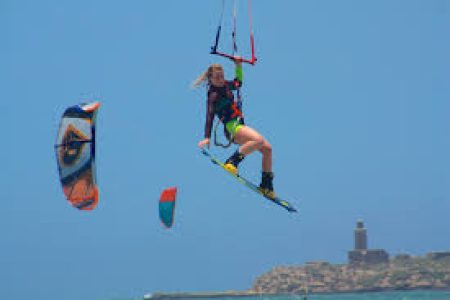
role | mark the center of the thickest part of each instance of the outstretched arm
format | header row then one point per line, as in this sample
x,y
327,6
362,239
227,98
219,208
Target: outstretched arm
x,y
237,82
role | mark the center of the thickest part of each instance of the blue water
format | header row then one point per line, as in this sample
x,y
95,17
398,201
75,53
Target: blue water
x,y
410,295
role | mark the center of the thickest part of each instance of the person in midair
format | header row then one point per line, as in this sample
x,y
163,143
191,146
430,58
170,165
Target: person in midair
x,y
221,103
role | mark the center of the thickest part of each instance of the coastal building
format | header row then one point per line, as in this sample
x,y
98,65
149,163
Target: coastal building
x,y
361,254
438,255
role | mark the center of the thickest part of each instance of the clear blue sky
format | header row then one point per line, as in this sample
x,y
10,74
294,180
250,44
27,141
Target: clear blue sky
x,y
353,95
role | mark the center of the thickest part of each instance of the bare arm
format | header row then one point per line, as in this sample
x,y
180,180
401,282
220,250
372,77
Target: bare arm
x,y
210,113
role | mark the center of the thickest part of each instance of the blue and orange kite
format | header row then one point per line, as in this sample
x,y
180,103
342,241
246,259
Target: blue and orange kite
x,y
75,155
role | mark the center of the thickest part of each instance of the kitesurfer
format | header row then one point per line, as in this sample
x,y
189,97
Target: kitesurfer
x,y
221,103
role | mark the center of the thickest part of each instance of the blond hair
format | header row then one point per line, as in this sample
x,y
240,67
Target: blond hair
x,y
205,77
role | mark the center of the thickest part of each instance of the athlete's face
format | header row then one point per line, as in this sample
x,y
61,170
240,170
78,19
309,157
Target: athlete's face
x,y
217,78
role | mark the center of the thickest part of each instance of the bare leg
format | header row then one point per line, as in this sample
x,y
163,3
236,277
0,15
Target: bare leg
x,y
266,151
250,140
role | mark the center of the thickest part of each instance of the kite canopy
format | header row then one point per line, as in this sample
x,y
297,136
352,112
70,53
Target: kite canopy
x,y
75,155
167,206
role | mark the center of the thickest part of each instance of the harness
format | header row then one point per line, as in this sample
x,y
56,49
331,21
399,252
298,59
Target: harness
x,y
236,113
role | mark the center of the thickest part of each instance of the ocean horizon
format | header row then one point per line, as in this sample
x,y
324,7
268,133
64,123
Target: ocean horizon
x,y
392,295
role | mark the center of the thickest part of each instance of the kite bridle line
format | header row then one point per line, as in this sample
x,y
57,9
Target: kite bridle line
x,y
233,34
232,56
252,39
219,29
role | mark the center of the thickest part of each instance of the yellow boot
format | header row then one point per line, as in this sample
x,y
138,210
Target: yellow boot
x,y
266,186
231,168
232,163
268,193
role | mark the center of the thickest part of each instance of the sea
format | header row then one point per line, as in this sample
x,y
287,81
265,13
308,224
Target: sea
x,y
410,295
403,295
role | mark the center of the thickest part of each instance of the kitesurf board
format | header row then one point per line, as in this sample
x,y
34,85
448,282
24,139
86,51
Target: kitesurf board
x,y
283,203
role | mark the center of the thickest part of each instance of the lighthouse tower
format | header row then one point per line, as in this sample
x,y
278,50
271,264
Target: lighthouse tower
x,y
361,255
360,236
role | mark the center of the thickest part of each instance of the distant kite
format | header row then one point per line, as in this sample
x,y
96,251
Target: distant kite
x,y
167,206
75,154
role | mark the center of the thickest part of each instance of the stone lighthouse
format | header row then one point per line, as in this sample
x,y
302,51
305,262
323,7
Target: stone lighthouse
x,y
361,255
360,236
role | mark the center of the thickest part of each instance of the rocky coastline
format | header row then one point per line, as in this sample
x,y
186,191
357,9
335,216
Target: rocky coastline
x,y
403,272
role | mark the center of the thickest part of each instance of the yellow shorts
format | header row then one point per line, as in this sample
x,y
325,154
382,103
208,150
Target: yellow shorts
x,y
233,127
